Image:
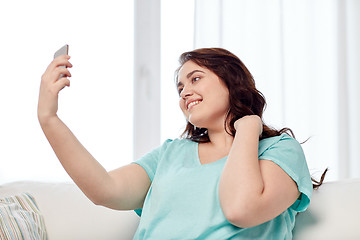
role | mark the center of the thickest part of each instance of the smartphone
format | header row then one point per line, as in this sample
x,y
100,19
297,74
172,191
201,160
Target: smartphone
x,y
63,50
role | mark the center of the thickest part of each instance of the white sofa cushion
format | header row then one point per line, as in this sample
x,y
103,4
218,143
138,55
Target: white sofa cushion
x,y
69,214
333,213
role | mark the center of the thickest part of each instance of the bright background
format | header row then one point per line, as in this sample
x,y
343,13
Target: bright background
x,y
304,56
98,107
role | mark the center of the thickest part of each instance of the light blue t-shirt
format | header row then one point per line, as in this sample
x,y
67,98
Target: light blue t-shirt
x,y
183,199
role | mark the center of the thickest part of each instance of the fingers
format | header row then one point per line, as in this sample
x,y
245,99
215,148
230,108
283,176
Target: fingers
x,y
60,72
57,69
55,78
61,83
62,60
249,121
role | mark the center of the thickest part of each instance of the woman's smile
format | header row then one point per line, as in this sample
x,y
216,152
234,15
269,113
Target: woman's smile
x,y
192,103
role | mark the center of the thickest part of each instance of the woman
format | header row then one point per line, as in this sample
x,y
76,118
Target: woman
x,y
229,177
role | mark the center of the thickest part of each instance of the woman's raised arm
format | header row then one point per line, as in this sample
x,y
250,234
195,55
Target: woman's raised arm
x,y
123,188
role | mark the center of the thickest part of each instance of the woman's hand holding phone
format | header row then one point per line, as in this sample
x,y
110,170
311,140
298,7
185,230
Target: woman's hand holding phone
x,y
54,79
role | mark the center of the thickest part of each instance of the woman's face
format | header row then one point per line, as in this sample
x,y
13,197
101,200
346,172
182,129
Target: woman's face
x,y
204,98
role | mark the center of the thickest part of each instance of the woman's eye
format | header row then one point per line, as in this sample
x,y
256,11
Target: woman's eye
x,y
195,79
180,90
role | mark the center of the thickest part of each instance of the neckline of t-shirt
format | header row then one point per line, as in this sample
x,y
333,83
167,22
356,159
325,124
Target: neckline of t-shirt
x,y
197,158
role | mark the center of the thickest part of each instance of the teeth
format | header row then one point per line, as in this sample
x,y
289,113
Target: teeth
x,y
193,103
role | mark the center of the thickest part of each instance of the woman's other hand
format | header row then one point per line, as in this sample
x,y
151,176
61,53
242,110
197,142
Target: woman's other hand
x,y
249,121
54,79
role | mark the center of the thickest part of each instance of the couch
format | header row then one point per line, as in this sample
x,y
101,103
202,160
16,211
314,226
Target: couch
x,y
68,214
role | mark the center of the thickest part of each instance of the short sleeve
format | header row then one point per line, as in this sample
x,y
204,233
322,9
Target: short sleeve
x,y
287,153
150,160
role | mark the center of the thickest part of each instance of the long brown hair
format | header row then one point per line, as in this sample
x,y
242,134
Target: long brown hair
x,y
244,98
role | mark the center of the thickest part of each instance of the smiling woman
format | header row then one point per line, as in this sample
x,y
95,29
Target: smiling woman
x,y
230,175
34,30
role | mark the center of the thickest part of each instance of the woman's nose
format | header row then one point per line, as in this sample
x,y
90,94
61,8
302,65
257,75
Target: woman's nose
x,y
186,91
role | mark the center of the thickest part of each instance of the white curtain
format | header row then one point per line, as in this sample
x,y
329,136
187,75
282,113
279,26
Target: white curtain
x,y
304,56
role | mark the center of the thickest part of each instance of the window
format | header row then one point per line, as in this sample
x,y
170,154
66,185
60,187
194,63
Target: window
x,y
98,107
177,36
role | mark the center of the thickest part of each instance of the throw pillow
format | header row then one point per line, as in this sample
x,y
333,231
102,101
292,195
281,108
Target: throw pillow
x,y
20,218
